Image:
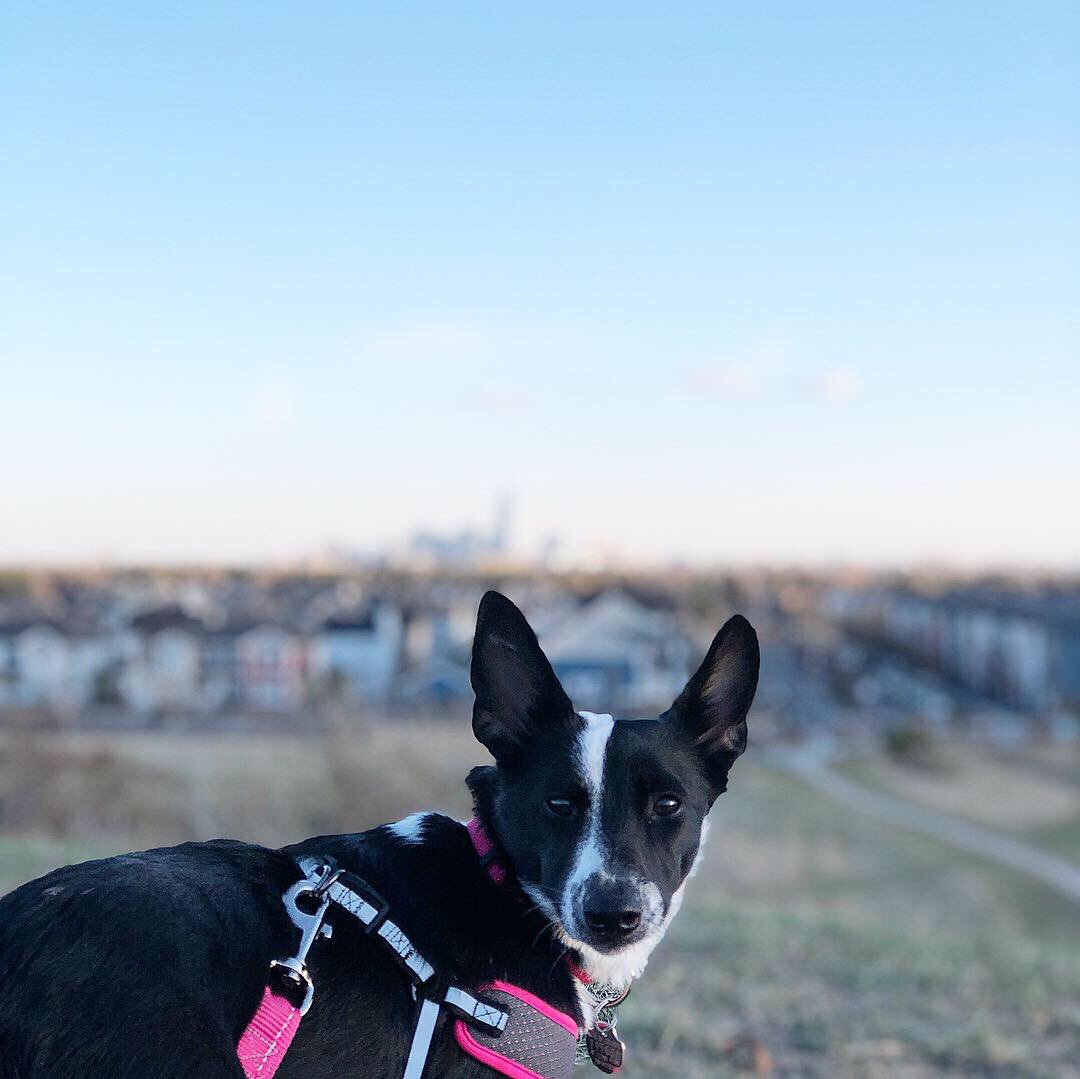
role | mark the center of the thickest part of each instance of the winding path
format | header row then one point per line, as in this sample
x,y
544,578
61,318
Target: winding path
x,y
810,763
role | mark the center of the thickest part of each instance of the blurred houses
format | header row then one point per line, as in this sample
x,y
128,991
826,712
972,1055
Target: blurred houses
x,y
436,647
271,668
141,647
209,647
358,653
160,663
1016,648
620,651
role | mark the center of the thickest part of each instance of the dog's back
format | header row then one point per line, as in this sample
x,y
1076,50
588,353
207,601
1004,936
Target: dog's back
x,y
151,964
105,965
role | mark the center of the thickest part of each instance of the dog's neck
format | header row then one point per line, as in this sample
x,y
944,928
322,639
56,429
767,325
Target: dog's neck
x,y
481,782
585,964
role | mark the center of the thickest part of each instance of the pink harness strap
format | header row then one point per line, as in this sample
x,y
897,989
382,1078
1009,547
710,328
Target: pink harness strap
x,y
267,1038
488,852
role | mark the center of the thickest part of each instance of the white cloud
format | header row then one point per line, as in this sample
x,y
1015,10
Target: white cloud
x,y
435,342
772,367
273,404
838,384
726,380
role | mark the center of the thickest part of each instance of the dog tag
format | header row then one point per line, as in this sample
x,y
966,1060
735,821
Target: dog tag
x,y
605,1050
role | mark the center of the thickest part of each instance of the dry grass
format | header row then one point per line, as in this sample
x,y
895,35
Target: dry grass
x,y
1033,795
153,788
1003,793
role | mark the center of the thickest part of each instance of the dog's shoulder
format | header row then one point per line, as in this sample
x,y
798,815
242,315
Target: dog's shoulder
x,y
427,870
473,932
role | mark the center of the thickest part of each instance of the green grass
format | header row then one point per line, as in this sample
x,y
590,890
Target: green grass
x,y
1062,839
813,941
23,858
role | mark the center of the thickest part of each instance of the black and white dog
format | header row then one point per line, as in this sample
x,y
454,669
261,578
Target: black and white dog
x,y
153,964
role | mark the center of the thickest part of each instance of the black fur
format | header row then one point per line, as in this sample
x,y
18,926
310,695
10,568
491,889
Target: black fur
x,y
152,964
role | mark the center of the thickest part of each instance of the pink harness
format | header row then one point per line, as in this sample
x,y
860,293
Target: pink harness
x,y
508,1028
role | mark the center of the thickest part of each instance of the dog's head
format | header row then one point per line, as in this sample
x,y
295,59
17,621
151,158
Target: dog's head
x,y
603,819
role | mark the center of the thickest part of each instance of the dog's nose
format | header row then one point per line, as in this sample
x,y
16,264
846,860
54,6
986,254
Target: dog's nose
x,y
611,909
612,923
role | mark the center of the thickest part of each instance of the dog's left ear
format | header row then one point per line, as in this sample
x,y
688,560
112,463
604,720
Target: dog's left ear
x,y
517,693
712,708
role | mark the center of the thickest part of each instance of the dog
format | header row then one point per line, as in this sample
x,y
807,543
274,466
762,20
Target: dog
x,y
154,963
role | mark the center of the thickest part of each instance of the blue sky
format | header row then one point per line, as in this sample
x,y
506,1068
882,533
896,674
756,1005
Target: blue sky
x,y
786,282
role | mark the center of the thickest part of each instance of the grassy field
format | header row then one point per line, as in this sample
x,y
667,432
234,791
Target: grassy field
x,y
812,943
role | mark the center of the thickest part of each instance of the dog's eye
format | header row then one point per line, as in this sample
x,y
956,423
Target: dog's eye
x,y
560,807
667,805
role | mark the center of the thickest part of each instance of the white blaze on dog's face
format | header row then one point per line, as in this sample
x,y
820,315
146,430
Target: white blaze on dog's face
x,y
603,818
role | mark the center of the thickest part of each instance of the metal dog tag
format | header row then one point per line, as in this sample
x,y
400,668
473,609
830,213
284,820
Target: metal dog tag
x,y
605,1049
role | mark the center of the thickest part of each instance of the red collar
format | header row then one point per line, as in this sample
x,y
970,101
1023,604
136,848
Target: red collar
x,y
493,860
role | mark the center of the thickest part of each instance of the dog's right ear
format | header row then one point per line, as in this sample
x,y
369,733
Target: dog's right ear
x,y
712,708
517,693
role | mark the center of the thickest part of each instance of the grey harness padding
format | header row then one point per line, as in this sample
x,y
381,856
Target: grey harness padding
x,y
538,1042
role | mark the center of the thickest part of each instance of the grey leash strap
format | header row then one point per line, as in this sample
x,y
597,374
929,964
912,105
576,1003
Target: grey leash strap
x,y
422,1036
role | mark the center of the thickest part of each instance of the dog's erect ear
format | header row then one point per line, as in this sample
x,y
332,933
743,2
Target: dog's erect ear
x,y
712,708
517,693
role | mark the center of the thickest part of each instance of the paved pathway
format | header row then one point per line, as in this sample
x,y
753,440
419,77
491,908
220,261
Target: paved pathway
x,y
811,761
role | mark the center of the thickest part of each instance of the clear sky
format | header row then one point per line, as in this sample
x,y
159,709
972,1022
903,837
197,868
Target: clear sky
x,y
728,282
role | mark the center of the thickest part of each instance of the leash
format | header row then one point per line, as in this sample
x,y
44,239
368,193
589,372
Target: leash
x,y
267,1038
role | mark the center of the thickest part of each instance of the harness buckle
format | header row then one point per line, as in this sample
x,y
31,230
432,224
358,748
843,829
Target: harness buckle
x,y
293,971
294,974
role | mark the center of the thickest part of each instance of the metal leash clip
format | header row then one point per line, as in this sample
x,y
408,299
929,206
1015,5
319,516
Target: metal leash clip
x,y
293,972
